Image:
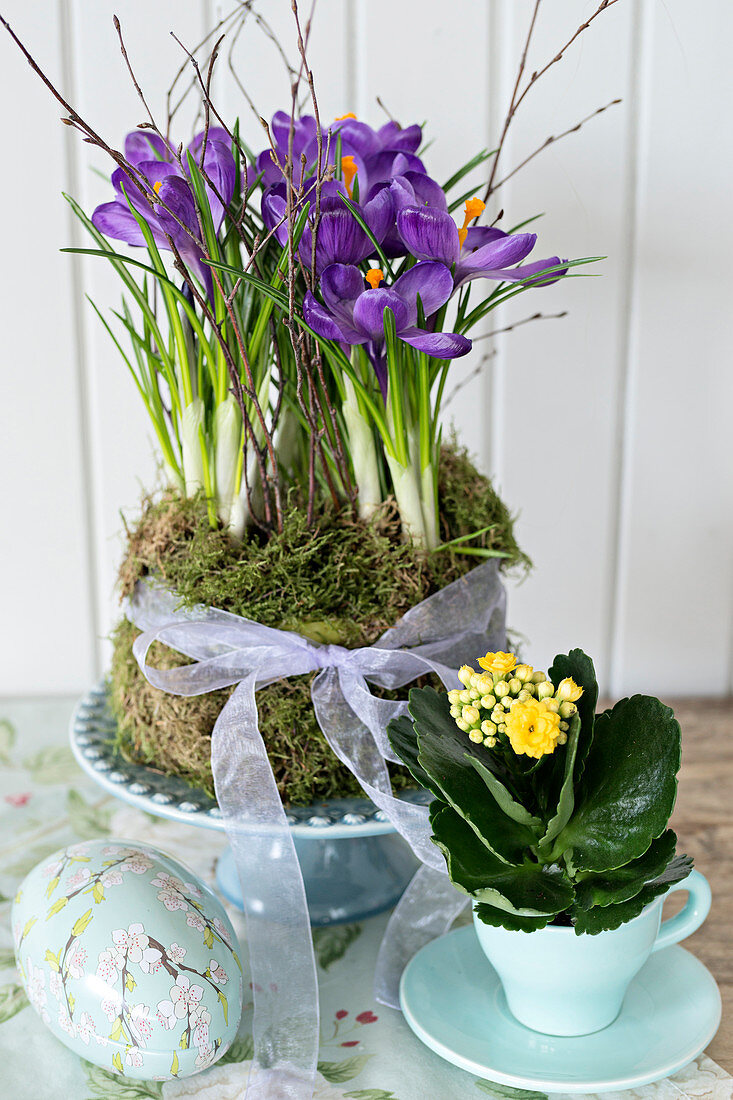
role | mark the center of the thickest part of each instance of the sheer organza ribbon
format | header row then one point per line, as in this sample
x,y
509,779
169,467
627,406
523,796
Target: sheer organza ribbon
x,y
438,635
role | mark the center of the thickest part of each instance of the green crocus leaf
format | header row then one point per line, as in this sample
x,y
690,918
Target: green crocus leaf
x,y
626,795
613,887
606,918
499,918
566,798
528,890
443,752
513,809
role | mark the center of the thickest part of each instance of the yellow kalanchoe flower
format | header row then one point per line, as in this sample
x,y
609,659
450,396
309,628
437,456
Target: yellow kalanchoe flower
x,y
500,663
568,690
533,728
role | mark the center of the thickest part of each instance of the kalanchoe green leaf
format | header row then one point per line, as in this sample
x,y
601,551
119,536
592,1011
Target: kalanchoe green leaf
x,y
580,667
513,809
566,798
442,750
606,918
402,738
528,890
499,918
614,887
626,795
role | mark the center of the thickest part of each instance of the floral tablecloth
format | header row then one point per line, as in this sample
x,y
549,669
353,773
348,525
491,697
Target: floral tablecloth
x,y
367,1052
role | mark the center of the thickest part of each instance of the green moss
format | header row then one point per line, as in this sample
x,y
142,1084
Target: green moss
x,y
342,581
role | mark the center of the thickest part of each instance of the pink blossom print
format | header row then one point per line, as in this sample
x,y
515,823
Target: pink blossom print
x,y
80,877
176,954
133,1057
141,1024
109,965
77,962
19,799
138,863
135,945
111,1006
195,921
217,973
223,932
185,996
85,1028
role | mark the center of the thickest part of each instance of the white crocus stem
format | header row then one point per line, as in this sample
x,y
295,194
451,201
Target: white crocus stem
x,y
430,514
408,496
228,436
363,454
192,423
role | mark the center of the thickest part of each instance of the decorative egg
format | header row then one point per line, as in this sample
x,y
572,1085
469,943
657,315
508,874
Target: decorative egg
x,y
129,959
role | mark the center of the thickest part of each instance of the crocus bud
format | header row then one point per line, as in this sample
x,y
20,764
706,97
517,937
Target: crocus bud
x,y
545,690
466,675
567,710
501,689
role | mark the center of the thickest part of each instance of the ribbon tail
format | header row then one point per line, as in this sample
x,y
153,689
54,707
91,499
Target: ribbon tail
x,y
425,911
284,982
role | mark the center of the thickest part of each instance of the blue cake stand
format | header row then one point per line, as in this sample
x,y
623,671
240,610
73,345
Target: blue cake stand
x,y
353,861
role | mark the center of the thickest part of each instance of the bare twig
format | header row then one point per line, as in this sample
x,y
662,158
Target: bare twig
x,y
518,324
518,96
553,139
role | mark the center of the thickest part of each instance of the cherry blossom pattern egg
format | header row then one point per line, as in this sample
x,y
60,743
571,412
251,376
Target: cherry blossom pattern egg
x,y
129,959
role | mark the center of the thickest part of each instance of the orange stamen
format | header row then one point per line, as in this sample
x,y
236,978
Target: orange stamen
x,y
348,171
157,186
473,208
340,118
374,277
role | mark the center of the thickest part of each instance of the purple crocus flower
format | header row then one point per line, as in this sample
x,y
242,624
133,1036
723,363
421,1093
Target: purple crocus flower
x,y
340,238
483,253
272,164
173,191
353,311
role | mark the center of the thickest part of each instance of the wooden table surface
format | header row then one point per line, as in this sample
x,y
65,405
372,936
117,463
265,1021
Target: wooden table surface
x,y
703,820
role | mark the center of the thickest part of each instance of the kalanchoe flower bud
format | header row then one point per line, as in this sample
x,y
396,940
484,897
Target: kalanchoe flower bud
x,y
564,727
485,684
539,677
465,696
562,739
456,711
454,697
474,693
488,728
462,725
490,742
471,715
545,690
466,675
523,672
501,689
502,727
568,690
567,710
488,701
515,685
476,736
553,705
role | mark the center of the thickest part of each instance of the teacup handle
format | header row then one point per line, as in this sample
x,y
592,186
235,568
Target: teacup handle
x,y
689,919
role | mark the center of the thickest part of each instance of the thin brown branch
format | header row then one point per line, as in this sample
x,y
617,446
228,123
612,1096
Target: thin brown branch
x,y
553,139
518,97
518,324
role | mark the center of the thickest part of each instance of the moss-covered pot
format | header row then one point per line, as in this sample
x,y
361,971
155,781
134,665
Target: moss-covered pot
x,y
340,580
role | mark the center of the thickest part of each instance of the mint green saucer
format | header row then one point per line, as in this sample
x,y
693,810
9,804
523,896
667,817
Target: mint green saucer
x,y
452,999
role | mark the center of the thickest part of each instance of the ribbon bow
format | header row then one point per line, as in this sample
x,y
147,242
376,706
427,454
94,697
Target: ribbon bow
x,y
437,635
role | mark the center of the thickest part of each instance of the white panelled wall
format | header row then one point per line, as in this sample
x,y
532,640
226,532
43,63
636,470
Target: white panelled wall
x,y
607,431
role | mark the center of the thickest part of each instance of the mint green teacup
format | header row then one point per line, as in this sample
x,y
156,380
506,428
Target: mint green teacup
x,y
561,984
